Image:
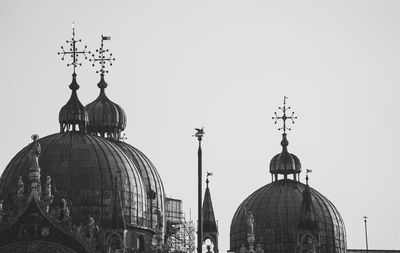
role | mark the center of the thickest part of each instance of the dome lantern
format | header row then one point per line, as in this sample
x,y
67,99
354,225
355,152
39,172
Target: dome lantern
x,y
284,163
72,116
106,118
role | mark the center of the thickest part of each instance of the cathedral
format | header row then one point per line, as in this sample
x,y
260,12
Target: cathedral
x,y
287,216
84,189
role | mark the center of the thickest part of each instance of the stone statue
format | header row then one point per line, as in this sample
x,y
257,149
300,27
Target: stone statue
x,y
34,169
63,217
159,218
1,210
35,153
47,190
250,223
93,230
20,192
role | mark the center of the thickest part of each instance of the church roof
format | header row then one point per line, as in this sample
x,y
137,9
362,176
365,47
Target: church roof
x,y
83,167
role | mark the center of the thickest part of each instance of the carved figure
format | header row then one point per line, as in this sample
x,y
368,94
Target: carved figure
x,y
159,218
63,216
93,230
250,223
20,192
47,190
34,154
1,210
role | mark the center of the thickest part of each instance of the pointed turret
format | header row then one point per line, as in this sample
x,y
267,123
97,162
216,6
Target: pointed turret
x,y
210,227
308,232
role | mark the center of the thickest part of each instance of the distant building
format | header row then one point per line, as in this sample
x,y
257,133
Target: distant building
x,y
287,216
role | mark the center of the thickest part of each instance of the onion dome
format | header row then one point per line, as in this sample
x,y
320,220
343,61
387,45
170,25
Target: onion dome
x,y
151,180
83,168
285,163
73,116
276,208
106,118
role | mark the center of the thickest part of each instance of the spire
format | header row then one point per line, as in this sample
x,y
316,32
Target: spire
x,y
117,219
308,219
209,223
285,163
210,227
72,116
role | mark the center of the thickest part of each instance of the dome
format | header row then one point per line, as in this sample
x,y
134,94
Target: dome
x,y
106,118
84,169
285,163
276,208
73,113
151,178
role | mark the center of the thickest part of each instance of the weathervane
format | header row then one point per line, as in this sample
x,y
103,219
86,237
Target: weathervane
x,y
102,59
73,51
307,171
284,117
208,175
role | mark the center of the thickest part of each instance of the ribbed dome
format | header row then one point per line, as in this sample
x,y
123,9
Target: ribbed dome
x,y
276,208
83,169
151,178
106,118
73,113
285,162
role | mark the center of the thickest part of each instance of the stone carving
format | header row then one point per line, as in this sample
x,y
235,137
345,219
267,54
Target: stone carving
x,y
63,217
93,232
1,210
250,222
34,169
47,190
20,192
159,218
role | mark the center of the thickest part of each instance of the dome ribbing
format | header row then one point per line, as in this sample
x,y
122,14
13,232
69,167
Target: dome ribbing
x,y
105,118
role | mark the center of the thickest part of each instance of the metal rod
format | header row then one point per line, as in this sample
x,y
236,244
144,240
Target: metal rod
x,y
200,213
366,233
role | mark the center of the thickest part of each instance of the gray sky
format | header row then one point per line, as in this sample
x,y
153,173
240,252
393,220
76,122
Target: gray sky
x,y
226,65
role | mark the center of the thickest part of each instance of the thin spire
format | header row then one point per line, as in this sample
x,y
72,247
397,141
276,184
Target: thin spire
x,y
209,222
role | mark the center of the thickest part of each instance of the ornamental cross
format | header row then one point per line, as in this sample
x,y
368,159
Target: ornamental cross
x,y
102,58
73,50
284,117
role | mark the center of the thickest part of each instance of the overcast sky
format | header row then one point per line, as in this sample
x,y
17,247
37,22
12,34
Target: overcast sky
x,y
226,65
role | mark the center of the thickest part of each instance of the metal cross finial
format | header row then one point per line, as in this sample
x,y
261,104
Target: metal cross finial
x,y
102,59
73,50
284,117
